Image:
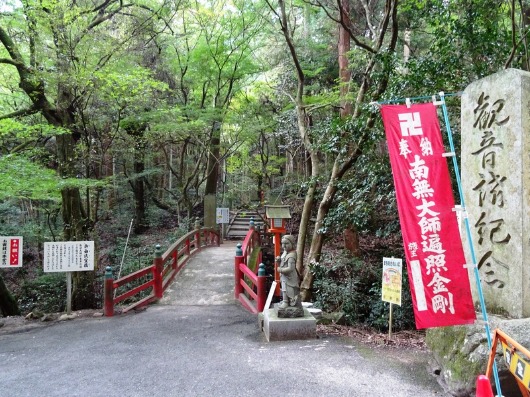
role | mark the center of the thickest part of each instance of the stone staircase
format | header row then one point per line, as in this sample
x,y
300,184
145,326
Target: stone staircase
x,y
240,223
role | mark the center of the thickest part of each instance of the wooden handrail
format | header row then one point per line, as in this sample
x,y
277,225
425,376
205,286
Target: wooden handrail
x,y
162,272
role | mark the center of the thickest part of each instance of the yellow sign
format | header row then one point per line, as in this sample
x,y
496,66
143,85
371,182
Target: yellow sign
x,y
392,275
518,365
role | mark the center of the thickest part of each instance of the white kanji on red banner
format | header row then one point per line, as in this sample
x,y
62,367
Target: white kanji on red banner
x,y
438,280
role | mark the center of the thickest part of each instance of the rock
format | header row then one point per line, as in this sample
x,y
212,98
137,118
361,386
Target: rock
x,y
289,312
65,317
332,318
2,324
48,317
461,354
317,313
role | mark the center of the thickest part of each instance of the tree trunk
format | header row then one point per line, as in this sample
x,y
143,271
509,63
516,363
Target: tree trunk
x,y
318,237
76,224
306,215
212,175
351,237
140,222
8,304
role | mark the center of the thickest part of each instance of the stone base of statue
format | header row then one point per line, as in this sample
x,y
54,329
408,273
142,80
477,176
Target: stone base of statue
x,y
278,328
289,311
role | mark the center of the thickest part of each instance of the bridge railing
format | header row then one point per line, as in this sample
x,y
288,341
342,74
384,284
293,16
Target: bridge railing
x,y
250,279
157,277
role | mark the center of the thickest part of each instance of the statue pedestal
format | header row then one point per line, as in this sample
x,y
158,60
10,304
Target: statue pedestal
x,y
276,328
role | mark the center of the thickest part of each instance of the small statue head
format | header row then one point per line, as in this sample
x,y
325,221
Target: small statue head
x,y
288,240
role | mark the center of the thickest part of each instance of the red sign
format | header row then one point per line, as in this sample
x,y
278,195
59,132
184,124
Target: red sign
x,y
10,251
15,247
438,280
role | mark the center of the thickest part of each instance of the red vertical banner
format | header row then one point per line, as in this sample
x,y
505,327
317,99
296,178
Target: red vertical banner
x,y
438,280
15,253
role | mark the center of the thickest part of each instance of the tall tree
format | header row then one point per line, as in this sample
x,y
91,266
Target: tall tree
x,y
214,47
282,16
57,81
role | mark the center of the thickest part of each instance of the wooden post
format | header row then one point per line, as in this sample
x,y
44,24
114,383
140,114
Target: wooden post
x,y
261,286
157,269
237,272
109,293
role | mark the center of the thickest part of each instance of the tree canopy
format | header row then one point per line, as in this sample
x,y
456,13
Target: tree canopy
x,y
166,102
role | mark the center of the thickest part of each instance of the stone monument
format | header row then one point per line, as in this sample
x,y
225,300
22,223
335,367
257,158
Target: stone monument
x,y
496,187
495,157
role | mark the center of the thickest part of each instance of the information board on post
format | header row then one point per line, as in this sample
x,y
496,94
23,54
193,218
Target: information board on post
x,y
68,256
223,215
392,276
10,251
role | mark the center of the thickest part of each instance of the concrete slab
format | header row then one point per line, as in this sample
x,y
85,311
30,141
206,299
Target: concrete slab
x,y
277,329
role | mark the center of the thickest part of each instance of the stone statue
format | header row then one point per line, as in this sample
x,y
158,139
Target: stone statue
x,y
291,304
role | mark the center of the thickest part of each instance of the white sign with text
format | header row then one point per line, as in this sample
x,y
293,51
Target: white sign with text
x,y
69,256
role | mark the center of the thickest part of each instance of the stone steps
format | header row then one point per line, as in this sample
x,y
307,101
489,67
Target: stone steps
x,y
240,224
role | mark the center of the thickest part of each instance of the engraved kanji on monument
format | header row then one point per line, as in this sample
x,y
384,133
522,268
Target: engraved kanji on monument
x,y
496,186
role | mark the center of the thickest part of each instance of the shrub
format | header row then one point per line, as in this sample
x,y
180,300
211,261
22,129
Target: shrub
x,y
46,293
353,286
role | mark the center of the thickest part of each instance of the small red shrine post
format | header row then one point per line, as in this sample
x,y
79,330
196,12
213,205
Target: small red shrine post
x,y
277,215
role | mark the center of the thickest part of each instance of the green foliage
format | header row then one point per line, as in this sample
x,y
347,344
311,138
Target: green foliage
x,y
343,283
14,130
402,316
24,178
46,293
353,286
366,198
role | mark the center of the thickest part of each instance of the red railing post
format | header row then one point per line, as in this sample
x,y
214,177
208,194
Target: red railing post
x,y
238,289
157,276
261,288
109,292
175,264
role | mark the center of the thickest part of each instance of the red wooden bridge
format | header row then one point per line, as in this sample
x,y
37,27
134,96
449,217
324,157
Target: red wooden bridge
x,y
148,285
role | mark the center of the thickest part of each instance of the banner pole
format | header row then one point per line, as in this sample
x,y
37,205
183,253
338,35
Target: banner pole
x,y
469,239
